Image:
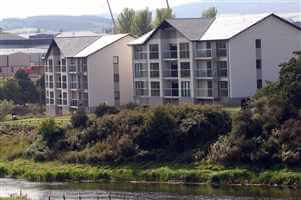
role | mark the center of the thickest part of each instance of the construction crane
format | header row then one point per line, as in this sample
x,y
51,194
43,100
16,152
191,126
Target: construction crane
x,y
112,16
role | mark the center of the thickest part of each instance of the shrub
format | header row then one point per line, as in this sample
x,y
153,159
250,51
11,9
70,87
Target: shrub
x,y
79,119
104,109
6,108
50,133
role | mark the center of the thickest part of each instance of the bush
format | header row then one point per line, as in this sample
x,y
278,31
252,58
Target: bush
x,y
50,133
6,108
79,119
104,109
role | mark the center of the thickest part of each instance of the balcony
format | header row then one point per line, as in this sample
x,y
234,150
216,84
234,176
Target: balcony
x,y
141,91
171,92
59,101
58,69
222,52
185,73
74,85
140,56
184,54
58,85
204,73
223,92
64,69
72,69
141,74
223,72
173,73
203,53
154,55
74,102
172,54
204,92
64,85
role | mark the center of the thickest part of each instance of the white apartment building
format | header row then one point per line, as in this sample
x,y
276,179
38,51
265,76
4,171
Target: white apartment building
x,y
85,71
200,60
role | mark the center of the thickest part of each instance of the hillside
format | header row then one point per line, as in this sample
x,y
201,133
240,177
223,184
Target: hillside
x,y
57,23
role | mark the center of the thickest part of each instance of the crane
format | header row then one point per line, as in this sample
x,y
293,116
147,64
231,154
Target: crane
x,y
113,20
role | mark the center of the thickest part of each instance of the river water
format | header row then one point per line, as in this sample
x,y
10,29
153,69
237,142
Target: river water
x,y
41,191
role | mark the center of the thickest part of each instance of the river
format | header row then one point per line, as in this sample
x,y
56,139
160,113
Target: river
x,y
41,191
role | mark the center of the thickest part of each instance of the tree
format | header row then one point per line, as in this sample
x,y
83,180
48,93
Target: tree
x,y
40,84
28,90
162,14
11,91
210,12
126,20
143,22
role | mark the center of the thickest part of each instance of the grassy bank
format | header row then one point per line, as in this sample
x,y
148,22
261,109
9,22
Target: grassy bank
x,y
192,173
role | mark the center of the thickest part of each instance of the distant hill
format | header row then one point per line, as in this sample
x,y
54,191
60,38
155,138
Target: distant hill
x,y
239,7
57,23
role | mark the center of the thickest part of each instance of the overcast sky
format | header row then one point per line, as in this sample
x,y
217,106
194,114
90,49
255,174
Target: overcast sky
x,y
25,8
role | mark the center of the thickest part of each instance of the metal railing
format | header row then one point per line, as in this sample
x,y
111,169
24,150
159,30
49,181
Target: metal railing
x,y
223,72
59,101
58,85
185,73
155,92
172,54
185,54
57,68
141,74
203,53
74,102
223,92
154,55
173,73
155,74
140,55
171,92
204,73
221,52
204,92
74,85
72,68
142,92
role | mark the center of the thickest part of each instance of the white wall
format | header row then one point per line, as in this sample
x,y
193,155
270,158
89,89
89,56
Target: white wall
x,y
279,40
101,78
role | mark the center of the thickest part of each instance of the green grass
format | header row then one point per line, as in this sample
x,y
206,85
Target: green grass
x,y
232,109
36,121
196,173
13,198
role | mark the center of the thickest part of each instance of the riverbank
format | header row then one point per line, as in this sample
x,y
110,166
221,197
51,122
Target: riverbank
x,y
155,173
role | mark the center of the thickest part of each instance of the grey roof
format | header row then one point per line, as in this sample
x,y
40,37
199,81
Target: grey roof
x,y
70,46
10,36
192,28
23,50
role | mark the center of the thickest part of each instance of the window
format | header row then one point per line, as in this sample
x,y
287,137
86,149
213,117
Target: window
x,y
139,54
185,69
46,81
50,81
116,78
221,48
222,68
73,81
258,64
64,65
141,88
154,70
85,82
153,51
259,84
258,43
117,95
64,83
140,70
185,86
50,63
115,59
155,89
65,101
223,88
208,45
184,50
51,100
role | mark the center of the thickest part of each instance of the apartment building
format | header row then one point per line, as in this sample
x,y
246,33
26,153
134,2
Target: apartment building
x,y
85,71
203,60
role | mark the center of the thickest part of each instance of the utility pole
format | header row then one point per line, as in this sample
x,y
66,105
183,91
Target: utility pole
x,y
167,3
113,20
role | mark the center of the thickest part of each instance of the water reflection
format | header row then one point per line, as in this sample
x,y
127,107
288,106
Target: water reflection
x,y
40,191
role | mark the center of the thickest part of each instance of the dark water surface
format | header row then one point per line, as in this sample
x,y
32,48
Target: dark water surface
x,y
41,191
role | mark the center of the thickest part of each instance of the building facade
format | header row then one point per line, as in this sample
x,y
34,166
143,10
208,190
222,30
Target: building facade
x,y
202,60
85,71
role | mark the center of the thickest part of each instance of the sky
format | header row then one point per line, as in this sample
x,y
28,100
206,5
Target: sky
x,y
25,8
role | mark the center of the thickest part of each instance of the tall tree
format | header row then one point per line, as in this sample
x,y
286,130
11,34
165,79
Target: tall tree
x,y
162,14
210,12
143,22
125,21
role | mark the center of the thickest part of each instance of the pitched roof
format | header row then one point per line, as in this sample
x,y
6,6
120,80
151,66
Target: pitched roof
x,y
191,28
99,44
10,36
70,46
220,28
